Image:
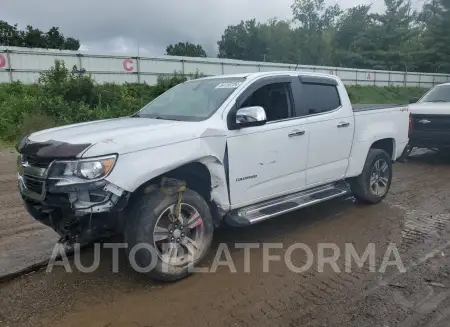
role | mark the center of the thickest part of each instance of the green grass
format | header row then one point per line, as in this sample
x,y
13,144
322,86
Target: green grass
x,y
383,95
8,145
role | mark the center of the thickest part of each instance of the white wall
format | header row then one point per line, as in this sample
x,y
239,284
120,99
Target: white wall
x,y
23,64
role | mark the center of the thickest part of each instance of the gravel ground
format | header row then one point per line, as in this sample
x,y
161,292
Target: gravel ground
x,y
415,217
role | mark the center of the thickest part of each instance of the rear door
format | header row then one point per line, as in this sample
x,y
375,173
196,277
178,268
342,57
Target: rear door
x,y
330,126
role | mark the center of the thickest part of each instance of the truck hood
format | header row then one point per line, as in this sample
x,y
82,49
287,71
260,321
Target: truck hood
x,y
120,135
431,108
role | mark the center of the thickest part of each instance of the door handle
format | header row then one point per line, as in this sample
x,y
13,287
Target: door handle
x,y
343,124
296,133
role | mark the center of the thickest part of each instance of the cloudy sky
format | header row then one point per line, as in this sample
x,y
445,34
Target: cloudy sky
x,y
119,25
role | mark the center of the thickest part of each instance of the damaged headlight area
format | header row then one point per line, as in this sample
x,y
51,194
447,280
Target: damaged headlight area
x,y
81,171
83,184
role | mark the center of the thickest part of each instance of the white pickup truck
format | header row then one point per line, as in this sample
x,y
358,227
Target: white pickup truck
x,y
238,149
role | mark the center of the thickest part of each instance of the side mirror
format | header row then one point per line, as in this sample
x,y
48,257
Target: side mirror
x,y
251,116
413,100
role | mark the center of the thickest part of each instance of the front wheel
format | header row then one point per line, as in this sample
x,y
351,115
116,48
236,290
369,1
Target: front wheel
x,y
169,245
375,180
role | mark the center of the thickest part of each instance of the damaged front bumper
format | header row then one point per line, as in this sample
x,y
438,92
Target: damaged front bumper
x,y
79,213
78,209
82,199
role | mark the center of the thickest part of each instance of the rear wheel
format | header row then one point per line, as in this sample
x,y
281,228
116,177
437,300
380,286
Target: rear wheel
x,y
374,182
169,244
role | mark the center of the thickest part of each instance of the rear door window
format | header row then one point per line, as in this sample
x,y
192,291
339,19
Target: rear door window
x,y
320,98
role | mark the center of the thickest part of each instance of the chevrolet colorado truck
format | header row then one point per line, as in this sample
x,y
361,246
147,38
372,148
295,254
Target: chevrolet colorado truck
x,y
236,149
430,120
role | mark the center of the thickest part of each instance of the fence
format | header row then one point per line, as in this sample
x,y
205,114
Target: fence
x,y
24,64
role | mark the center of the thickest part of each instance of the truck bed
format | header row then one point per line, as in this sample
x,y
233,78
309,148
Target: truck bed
x,y
365,107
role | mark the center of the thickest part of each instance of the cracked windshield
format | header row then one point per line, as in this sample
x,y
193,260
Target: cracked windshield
x,y
225,163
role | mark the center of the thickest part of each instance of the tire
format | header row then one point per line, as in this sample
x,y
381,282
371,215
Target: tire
x,y
361,186
150,209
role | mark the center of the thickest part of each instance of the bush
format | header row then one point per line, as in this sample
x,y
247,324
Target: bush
x,y
33,122
64,96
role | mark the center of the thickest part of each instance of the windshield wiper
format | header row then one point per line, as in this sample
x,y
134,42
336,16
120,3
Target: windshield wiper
x,y
439,101
159,117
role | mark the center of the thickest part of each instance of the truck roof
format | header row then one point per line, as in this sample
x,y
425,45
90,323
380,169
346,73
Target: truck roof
x,y
271,73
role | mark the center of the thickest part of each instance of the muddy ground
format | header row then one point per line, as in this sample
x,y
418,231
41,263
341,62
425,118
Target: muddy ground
x,y
414,218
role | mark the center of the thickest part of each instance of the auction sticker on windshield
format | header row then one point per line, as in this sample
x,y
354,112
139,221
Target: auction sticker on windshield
x,y
228,85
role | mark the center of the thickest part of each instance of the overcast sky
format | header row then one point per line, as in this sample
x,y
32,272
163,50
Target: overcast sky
x,y
113,25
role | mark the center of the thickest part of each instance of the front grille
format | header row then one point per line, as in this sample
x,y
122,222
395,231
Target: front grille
x,y
37,162
34,185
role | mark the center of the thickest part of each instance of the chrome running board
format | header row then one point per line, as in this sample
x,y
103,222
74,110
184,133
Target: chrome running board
x,y
268,209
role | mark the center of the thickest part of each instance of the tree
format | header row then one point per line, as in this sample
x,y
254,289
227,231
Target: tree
x,y
314,16
280,40
54,39
244,41
71,44
430,11
437,36
349,28
395,34
397,39
9,35
387,41
185,49
35,38
315,20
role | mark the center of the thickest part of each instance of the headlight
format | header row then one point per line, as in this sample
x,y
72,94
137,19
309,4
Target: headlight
x,y
91,170
82,171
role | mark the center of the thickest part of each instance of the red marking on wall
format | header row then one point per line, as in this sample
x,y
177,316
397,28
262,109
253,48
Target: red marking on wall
x,y
2,61
128,65
369,77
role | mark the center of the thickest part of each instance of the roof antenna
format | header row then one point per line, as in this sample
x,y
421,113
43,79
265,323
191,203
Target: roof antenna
x,y
296,67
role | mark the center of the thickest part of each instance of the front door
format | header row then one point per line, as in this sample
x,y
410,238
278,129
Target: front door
x,y
269,160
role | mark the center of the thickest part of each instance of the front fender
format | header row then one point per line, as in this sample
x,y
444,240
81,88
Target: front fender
x,y
134,169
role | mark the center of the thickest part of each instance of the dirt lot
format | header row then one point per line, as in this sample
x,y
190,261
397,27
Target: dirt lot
x,y
17,229
415,216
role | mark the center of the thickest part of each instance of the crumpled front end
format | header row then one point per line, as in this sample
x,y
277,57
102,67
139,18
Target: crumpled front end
x,y
76,208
